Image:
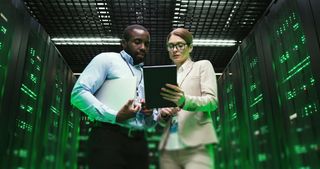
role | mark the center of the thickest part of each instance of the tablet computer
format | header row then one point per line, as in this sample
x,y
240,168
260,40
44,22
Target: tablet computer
x,y
155,77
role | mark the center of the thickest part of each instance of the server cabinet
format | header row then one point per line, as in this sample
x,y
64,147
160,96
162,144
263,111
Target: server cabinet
x,y
233,130
39,127
29,101
71,124
286,45
8,35
279,89
257,106
226,99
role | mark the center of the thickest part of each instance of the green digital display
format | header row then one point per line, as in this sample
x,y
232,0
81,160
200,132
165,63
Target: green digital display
x,y
5,44
29,105
228,116
297,94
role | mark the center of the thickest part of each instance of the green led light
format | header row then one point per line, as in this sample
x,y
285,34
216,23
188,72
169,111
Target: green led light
x,y
293,16
234,116
23,153
312,81
281,32
27,108
27,91
230,106
38,68
151,145
253,87
70,124
309,109
296,26
303,39
257,100
50,158
54,110
33,78
24,126
3,30
300,149
32,52
284,57
290,19
291,94
152,166
314,147
39,59
262,157
1,46
32,61
296,69
255,116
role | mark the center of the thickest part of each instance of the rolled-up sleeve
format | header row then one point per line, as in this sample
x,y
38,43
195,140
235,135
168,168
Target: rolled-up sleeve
x,y
90,80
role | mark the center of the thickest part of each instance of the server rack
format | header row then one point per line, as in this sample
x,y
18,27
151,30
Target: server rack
x,y
39,127
295,82
279,89
232,128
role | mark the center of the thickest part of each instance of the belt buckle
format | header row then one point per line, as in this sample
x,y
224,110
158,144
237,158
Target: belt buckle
x,y
130,133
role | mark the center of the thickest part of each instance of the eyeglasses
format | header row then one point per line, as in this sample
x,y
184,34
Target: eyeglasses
x,y
178,46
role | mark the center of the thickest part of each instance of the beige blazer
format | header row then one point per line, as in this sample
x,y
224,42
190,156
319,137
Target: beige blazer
x,y
198,81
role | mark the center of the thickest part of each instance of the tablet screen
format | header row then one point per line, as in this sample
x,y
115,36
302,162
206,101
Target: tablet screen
x,y
155,77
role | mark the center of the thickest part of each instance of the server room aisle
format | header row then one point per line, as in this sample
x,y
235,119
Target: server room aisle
x,y
269,95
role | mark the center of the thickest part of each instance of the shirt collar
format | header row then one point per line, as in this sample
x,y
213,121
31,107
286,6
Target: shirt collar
x,y
128,58
185,65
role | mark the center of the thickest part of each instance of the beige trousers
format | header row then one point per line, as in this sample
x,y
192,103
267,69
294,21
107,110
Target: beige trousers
x,y
200,157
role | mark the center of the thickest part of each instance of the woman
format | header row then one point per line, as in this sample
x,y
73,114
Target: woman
x,y
189,136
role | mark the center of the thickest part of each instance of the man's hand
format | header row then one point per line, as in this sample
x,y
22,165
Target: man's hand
x,y
128,111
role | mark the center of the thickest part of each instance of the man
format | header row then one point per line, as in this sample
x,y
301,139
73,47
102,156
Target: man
x,y
117,139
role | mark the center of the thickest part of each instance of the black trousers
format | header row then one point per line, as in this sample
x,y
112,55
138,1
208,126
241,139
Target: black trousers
x,y
112,148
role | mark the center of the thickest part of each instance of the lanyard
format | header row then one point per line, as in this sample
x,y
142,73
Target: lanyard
x,y
132,70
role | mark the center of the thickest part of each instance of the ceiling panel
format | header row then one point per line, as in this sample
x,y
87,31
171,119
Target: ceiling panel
x,y
206,19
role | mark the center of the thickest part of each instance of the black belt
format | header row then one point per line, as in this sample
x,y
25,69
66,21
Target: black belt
x,y
130,133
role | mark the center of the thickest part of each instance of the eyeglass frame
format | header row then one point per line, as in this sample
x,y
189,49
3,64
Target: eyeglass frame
x,y
171,46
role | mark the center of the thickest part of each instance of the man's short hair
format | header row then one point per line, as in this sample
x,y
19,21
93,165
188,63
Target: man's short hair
x,y
128,29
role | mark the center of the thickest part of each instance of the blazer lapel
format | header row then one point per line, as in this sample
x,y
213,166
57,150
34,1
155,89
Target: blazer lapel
x,y
187,70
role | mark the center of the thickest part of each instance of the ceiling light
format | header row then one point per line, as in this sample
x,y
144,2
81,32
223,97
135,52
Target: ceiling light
x,y
86,41
213,42
116,41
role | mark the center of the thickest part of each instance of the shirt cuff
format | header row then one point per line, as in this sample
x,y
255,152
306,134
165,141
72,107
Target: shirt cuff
x,y
106,114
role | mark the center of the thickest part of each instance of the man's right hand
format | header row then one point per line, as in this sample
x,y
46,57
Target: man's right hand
x,y
128,111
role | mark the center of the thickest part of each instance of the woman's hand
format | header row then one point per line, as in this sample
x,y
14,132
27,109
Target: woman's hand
x,y
173,93
167,112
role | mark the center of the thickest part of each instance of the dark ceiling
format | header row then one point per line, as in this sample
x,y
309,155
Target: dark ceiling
x,y
206,19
